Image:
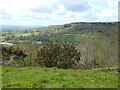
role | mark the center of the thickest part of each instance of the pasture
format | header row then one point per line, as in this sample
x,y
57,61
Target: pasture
x,y
42,77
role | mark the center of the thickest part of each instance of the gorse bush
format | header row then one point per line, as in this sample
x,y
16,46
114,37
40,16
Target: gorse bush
x,y
7,51
61,55
12,55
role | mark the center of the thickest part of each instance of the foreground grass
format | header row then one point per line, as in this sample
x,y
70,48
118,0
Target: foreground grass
x,y
37,77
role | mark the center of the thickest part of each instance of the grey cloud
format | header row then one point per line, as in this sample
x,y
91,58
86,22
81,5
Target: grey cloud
x,y
61,13
76,6
44,9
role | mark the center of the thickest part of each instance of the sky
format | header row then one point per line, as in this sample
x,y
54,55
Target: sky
x,y
57,12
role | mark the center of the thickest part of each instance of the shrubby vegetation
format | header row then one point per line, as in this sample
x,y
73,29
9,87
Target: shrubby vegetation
x,y
58,55
13,55
98,51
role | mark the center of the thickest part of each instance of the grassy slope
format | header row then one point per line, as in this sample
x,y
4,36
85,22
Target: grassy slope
x,y
36,77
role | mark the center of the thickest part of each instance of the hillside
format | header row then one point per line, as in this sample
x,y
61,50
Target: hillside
x,y
83,27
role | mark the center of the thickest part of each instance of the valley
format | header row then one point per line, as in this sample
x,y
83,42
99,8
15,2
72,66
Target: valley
x,y
75,50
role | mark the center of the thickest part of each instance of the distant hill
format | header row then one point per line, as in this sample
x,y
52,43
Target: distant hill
x,y
79,27
89,27
14,28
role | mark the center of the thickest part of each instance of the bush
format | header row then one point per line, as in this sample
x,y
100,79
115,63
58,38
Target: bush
x,y
16,55
58,55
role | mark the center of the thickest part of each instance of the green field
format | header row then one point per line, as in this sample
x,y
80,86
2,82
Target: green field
x,y
41,77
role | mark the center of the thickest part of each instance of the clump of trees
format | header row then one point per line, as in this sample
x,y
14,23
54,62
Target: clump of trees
x,y
98,50
61,55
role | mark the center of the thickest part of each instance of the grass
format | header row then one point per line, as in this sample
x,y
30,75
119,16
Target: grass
x,y
41,77
26,34
68,37
0,77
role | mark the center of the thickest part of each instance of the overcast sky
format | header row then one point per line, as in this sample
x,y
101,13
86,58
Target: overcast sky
x,y
52,12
